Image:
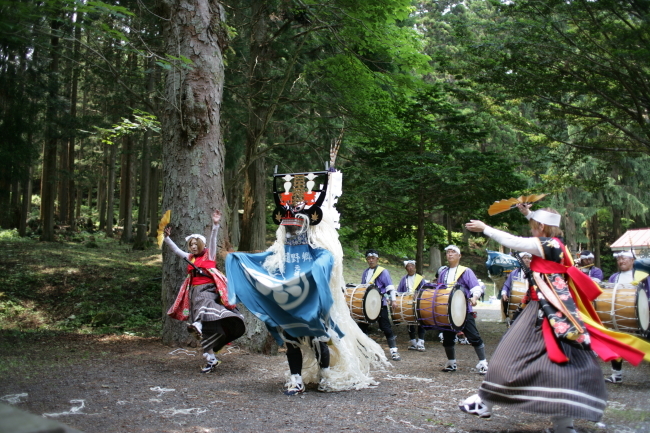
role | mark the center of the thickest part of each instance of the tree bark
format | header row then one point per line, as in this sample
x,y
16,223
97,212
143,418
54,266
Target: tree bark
x,y
594,240
140,242
73,195
110,191
193,149
253,228
127,188
48,182
570,229
26,200
154,191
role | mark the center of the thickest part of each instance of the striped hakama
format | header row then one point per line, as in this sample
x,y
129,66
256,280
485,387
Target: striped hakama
x,y
220,325
522,377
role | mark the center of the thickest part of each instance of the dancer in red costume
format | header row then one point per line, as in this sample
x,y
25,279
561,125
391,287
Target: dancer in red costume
x,y
544,364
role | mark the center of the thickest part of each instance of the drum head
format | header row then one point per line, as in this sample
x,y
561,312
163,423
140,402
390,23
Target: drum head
x,y
457,309
372,304
642,310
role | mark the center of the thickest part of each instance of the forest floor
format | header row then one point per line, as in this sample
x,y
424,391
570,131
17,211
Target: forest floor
x,y
78,344
110,383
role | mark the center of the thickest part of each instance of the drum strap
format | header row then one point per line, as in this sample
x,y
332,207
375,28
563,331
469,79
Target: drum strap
x,y
377,273
416,282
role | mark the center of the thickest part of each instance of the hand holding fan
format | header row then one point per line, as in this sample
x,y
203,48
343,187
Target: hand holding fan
x,y
510,203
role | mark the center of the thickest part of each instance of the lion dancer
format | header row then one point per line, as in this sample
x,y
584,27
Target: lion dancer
x,y
215,321
295,288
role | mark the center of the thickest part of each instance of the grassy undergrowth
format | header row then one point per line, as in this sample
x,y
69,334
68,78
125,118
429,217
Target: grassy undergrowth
x,y
71,287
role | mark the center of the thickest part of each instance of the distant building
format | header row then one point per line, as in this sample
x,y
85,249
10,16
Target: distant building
x,y
638,240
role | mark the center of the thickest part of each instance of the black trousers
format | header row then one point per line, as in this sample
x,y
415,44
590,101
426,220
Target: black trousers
x,y
412,331
383,322
294,354
470,331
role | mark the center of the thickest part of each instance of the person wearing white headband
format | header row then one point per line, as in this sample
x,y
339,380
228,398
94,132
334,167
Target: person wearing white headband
x,y
380,277
515,275
411,283
626,275
464,277
586,265
523,370
209,317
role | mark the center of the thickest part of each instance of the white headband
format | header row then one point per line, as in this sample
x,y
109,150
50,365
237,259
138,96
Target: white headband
x,y
524,254
187,239
624,254
545,217
406,262
589,256
453,247
372,255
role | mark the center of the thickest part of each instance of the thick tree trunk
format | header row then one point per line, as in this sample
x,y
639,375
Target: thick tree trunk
x,y
48,189
193,149
435,261
62,184
253,230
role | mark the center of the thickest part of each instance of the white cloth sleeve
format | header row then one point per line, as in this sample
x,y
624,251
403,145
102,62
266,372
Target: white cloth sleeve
x,y
212,243
476,291
175,249
529,245
392,292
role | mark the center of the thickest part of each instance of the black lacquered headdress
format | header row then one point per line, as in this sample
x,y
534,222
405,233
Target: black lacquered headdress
x,y
301,193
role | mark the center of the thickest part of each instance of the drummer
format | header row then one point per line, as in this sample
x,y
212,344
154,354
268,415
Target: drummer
x,y
625,275
516,275
586,265
380,277
410,283
465,278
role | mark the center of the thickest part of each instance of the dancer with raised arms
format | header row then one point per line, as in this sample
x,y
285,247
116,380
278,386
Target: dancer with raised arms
x,y
544,363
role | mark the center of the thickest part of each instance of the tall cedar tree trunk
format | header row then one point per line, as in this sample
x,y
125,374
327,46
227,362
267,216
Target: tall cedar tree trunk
x,y
193,148
419,251
570,229
253,228
154,191
73,196
140,242
594,240
127,187
110,191
27,199
48,181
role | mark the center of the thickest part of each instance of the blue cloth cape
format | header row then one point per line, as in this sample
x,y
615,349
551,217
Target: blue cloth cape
x,y
297,301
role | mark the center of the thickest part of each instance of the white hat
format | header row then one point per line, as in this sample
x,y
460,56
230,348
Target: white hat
x,y
524,254
452,247
195,236
624,254
406,262
545,217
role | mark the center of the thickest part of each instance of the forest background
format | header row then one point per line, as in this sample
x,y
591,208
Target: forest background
x,y
112,112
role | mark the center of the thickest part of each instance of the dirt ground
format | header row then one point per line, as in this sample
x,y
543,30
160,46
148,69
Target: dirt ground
x,y
109,384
